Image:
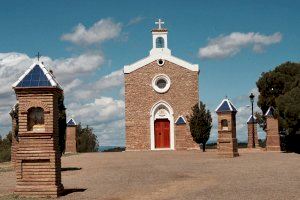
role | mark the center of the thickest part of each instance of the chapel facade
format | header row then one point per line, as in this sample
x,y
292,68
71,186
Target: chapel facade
x,y
159,93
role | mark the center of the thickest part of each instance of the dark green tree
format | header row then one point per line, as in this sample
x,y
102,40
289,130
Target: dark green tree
x,y
86,139
5,148
200,122
280,88
62,124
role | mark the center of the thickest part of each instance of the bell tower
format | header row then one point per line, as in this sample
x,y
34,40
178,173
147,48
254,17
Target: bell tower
x,y
160,40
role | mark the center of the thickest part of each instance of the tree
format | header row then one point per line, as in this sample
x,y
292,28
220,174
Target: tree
x,y
280,88
5,148
200,124
86,139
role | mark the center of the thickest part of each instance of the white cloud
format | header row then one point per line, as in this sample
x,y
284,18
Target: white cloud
x,y
111,80
104,29
229,45
135,20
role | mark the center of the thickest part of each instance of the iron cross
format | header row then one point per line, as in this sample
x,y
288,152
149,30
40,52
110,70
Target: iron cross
x,y
38,56
159,22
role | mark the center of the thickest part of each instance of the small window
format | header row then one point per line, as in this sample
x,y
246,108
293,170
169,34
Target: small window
x,y
160,43
224,124
35,120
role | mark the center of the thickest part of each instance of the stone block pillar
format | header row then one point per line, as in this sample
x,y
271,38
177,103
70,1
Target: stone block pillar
x,y
71,137
38,158
14,145
227,142
272,129
252,130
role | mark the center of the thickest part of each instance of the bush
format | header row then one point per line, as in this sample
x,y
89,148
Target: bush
x,y
86,139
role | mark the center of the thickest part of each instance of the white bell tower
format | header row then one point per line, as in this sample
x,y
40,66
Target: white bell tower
x,y
160,40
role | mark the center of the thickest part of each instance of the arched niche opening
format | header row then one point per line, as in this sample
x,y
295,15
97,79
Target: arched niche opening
x,y
224,124
160,42
36,119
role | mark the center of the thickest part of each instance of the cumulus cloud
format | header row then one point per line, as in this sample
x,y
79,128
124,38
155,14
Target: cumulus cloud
x,y
111,80
229,45
135,20
104,29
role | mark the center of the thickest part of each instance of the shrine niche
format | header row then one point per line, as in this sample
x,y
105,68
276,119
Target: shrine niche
x,y
224,124
36,119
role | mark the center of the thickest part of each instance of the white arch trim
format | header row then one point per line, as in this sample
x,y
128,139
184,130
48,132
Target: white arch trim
x,y
169,116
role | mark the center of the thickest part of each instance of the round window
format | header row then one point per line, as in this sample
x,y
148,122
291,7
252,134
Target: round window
x,y
161,83
160,62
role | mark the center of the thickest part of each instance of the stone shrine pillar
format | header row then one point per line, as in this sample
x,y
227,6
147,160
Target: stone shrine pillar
x,y
272,129
227,142
14,146
38,159
71,146
252,129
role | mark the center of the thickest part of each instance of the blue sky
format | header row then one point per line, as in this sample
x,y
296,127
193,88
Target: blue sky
x,y
252,37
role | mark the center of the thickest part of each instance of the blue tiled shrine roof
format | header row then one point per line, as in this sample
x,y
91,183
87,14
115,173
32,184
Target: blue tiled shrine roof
x,y
226,106
180,120
71,122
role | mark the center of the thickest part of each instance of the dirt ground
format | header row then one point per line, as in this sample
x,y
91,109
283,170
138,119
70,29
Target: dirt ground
x,y
164,175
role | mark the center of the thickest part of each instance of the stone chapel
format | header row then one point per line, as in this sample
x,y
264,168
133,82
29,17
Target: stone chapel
x,y
160,90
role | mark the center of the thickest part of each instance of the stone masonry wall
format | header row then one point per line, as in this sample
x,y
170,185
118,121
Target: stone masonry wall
x,y
140,97
227,142
250,135
38,164
273,138
71,140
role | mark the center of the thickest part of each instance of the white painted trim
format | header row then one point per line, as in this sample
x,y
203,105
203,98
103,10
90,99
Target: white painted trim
x,y
73,121
250,118
161,90
170,117
141,63
49,76
179,117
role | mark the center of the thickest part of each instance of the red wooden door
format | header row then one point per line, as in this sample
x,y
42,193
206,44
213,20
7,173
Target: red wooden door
x,y
162,133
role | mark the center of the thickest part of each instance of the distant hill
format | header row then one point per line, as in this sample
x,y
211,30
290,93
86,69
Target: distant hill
x,y
111,148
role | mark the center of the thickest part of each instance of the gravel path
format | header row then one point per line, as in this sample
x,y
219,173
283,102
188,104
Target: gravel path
x,y
165,175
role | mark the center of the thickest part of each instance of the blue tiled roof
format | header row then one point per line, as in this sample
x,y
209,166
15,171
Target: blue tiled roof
x,y
270,112
71,122
35,78
226,106
251,119
180,120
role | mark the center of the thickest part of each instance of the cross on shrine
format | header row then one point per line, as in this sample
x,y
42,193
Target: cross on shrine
x,y
38,56
159,22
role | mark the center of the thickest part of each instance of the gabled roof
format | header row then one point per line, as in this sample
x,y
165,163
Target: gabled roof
x,y
141,63
36,76
251,119
71,122
180,120
226,106
270,112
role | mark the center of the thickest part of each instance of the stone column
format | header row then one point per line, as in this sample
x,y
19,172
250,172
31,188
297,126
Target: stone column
x,y
273,138
14,145
227,142
252,127
71,138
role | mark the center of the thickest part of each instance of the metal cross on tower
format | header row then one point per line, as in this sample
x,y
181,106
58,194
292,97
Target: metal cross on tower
x,y
159,22
38,56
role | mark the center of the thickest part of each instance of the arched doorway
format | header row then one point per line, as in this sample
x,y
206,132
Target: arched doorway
x,y
161,126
